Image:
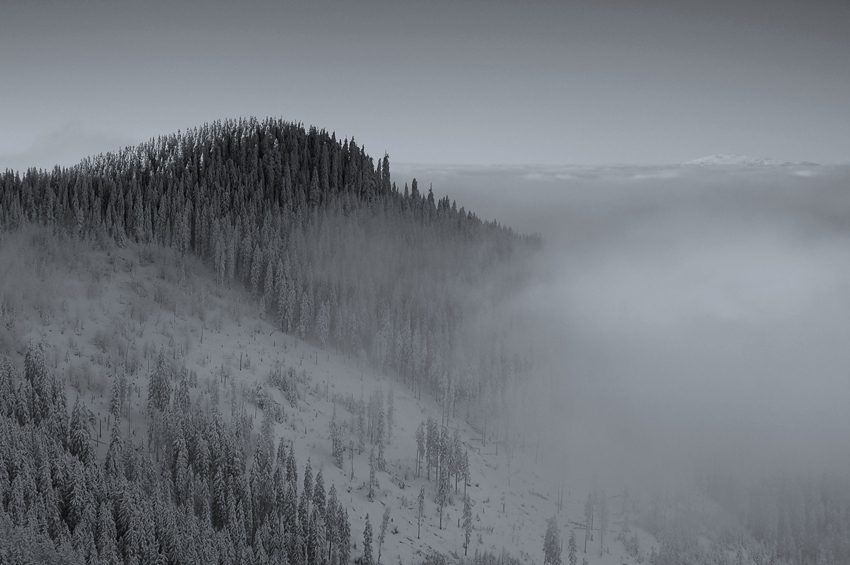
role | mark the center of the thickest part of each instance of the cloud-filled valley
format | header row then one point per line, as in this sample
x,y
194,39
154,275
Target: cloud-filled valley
x,y
701,314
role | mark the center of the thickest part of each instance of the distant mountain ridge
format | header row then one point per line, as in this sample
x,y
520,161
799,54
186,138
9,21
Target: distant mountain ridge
x,y
727,160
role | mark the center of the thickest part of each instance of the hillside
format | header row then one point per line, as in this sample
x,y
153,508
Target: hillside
x,y
103,318
226,310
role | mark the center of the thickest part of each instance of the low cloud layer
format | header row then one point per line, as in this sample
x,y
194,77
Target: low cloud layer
x,y
702,314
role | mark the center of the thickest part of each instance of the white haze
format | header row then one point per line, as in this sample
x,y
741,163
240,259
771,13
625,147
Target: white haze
x,y
701,316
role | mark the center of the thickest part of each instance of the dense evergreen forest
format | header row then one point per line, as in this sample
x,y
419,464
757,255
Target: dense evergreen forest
x,y
333,252
331,248
204,502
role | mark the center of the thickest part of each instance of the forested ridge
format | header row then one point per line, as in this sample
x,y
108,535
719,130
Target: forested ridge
x,y
330,250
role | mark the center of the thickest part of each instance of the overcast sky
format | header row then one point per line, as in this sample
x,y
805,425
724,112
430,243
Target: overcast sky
x,y
435,82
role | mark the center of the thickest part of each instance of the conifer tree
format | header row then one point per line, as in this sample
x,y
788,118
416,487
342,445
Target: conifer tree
x,y
315,194
291,468
106,534
269,295
79,436
573,550
332,524
367,543
372,475
308,480
603,520
588,519
390,415
116,398
420,446
323,323
256,269
306,312
319,494
182,399
467,523
379,425
344,535
456,458
385,521
381,462
421,511
442,493
281,291
552,543
337,450
361,428
159,390
114,456
465,470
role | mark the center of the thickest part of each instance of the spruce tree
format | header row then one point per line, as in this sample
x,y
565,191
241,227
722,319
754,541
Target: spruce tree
x,y
382,462
159,390
421,511
385,521
367,543
420,447
379,425
552,543
603,520
372,475
79,436
332,524
588,519
323,323
114,454
256,269
344,535
467,523
319,494
443,490
573,549
116,399
308,480
292,469
390,415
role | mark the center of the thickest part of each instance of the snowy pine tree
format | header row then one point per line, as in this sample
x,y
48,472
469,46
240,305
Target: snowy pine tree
x,y
385,521
420,512
367,543
467,523
573,549
372,464
552,543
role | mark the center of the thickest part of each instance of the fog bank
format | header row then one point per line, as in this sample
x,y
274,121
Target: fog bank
x,y
701,315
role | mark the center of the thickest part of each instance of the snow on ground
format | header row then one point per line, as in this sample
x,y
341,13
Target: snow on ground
x,y
104,309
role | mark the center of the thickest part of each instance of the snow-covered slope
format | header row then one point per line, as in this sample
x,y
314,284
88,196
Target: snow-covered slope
x,y
94,308
734,160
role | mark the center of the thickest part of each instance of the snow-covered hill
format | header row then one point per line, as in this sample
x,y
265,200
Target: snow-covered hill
x,y
735,160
